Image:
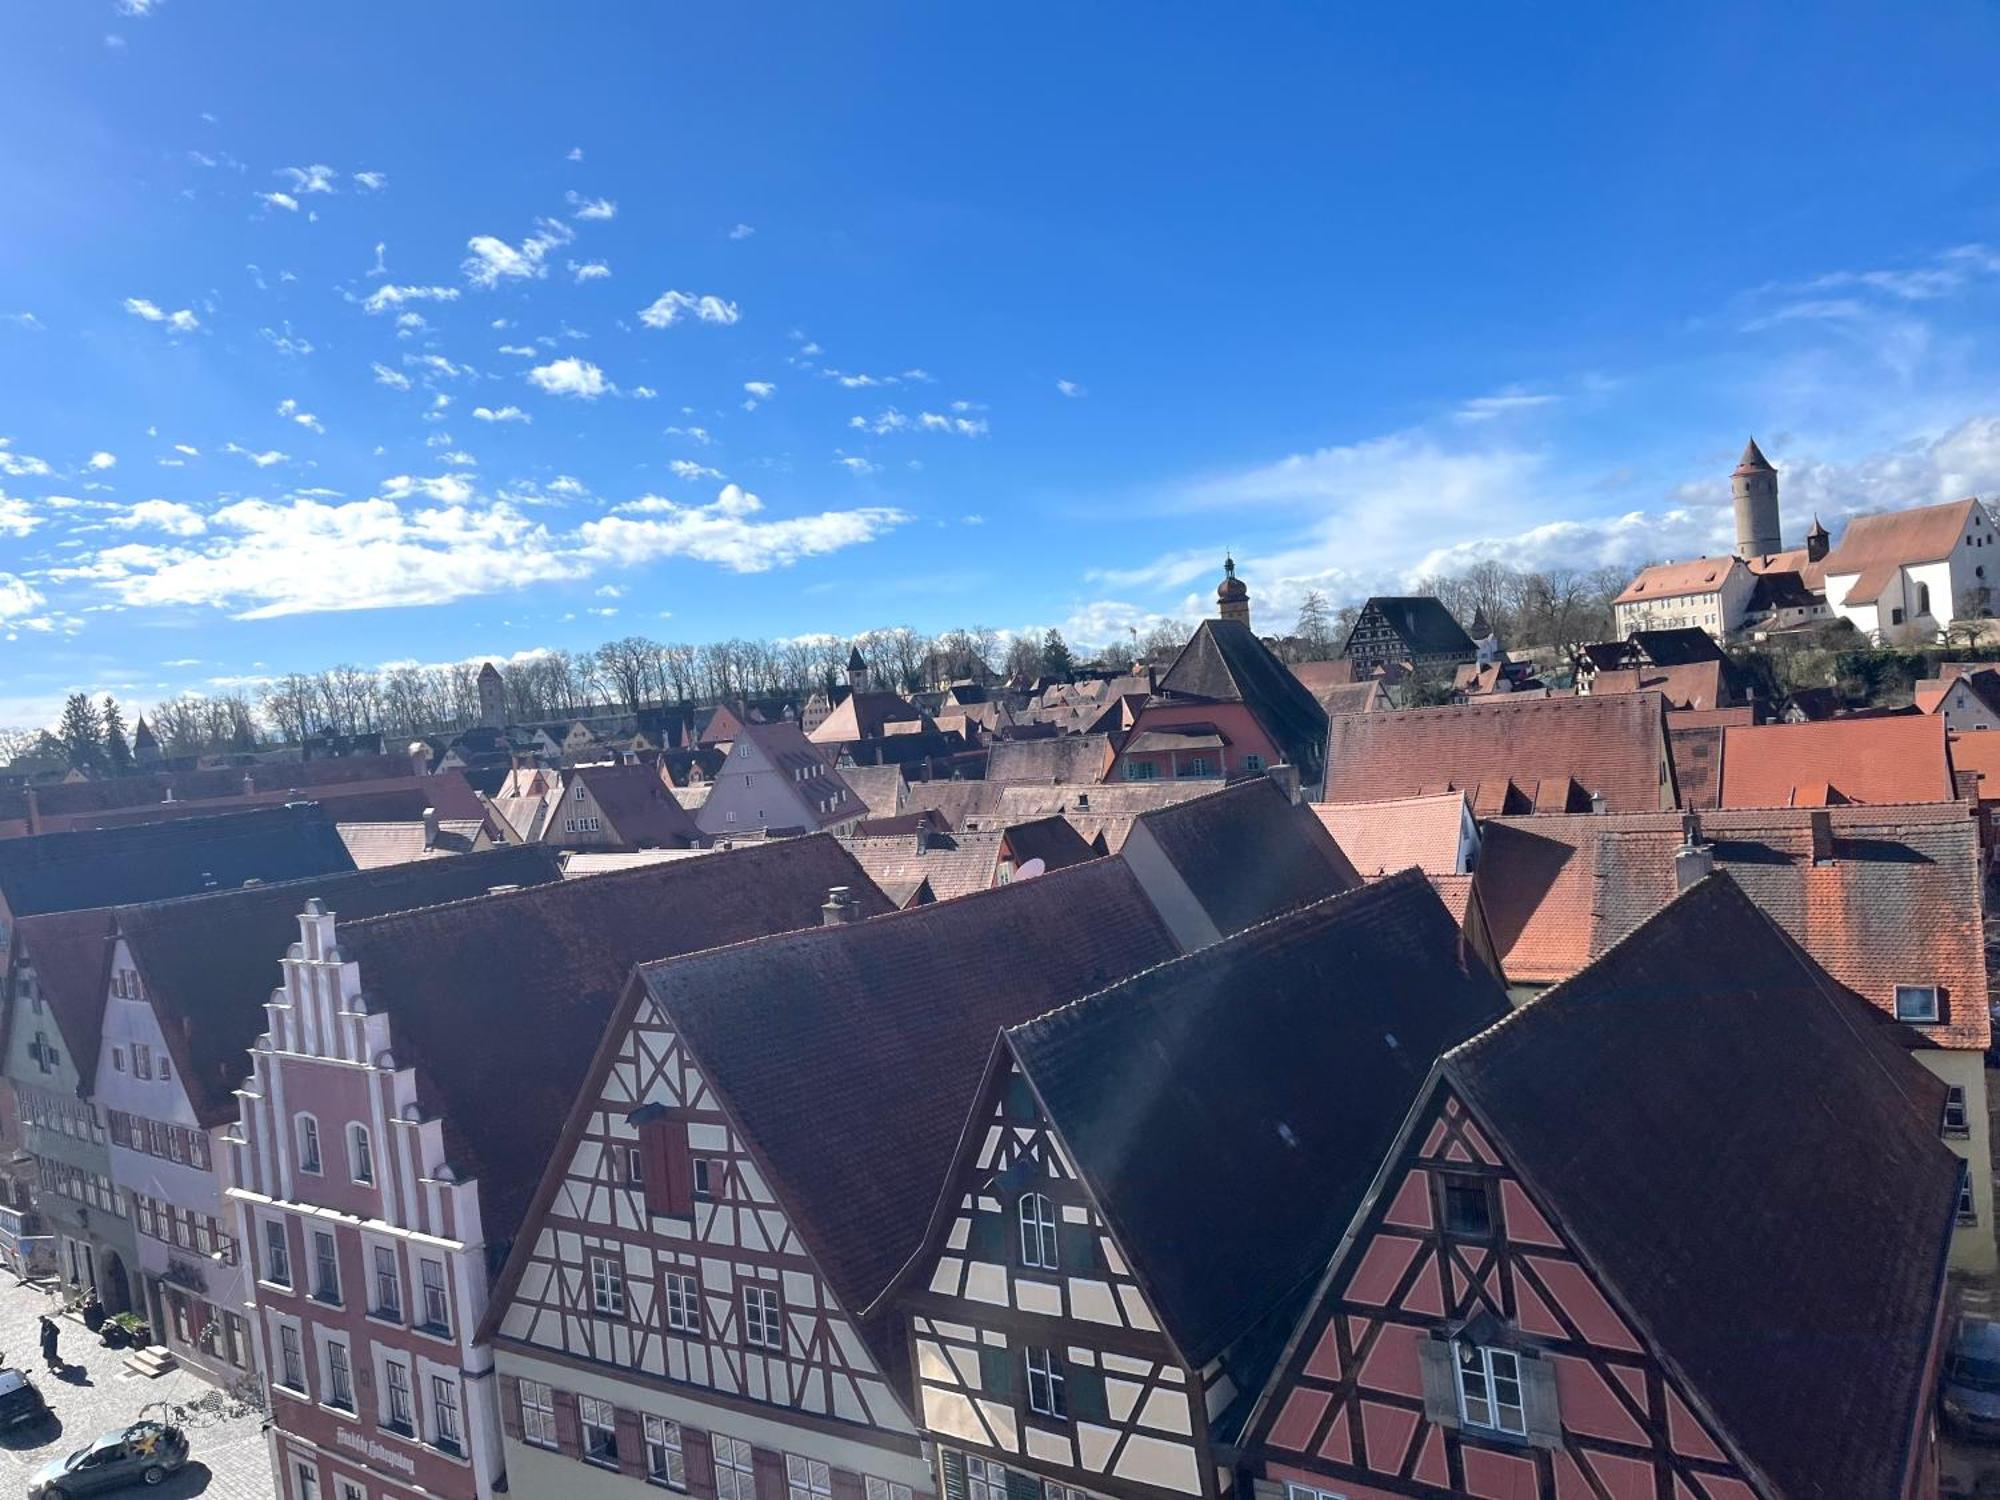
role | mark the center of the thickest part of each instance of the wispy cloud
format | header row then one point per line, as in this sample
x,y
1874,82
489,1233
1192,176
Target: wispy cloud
x,y
314,179
741,232
493,260
1070,388
372,182
590,208
389,297
291,412
670,307
891,420
183,321
501,414
263,460
1506,403
590,270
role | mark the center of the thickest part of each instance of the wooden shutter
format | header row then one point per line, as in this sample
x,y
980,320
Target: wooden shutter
x,y
1538,1391
569,1429
769,1469
510,1407
987,1239
631,1443
1440,1380
952,1464
1084,1388
996,1371
700,1464
663,1159
846,1486
1023,1486
1076,1245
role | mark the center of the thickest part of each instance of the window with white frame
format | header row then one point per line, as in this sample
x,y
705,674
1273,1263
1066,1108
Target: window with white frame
x,y
1489,1389
445,1430
683,1303
309,1159
600,1429
1045,1383
326,1268
538,1414
807,1479
349,1490
291,1358
360,1154
1307,1492
1916,1002
705,1177
607,1286
984,1479
277,1254
664,1461
437,1303
1038,1232
735,1475
1957,1118
398,1412
1053,1491
339,1375
308,1477
887,1489
142,1060
388,1285
763,1318
1968,1209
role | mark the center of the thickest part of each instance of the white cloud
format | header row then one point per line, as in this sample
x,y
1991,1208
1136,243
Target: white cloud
x,y
188,448
891,420
383,298
854,463
1504,404
669,308
572,377
758,391
160,515
17,517
687,470
523,350
262,460
447,489
135,8
372,182
643,393
1070,388
692,434
280,200
437,364
591,208
22,319
410,323
741,232
386,376
289,410
502,414
493,260
180,322
21,465
590,270
729,532
18,597
286,342
575,154
103,460
314,179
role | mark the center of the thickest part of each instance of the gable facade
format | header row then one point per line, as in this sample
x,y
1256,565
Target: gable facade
x,y
751,793
1040,1363
666,1323
1152,751
1463,1347
1919,598
1717,608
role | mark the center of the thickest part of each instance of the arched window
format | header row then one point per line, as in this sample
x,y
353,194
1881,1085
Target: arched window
x,y
1038,1232
1923,598
360,1154
309,1159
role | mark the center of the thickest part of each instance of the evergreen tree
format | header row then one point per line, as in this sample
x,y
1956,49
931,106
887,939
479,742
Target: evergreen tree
x,y
81,733
1056,661
117,751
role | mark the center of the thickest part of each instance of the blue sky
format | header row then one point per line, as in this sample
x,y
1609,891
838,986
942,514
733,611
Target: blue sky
x,y
382,333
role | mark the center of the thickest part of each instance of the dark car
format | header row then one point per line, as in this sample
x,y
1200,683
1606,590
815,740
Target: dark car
x,y
20,1401
144,1453
1970,1390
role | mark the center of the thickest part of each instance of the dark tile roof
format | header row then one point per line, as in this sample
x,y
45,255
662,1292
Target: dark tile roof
x,y
893,1021
638,807
1614,746
80,799
1067,758
1697,755
1422,624
71,955
1224,662
1681,646
210,962
534,976
1052,840
878,787
1755,1177
1254,1085
151,861
1247,853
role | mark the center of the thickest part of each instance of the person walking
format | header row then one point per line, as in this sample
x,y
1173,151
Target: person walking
x,y
50,1335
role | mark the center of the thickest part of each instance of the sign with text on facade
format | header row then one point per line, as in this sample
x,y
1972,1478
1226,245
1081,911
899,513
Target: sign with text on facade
x,y
363,1446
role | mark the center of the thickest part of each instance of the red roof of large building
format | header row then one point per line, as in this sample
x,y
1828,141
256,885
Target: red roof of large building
x,y
1875,547
1705,575
1902,759
1380,838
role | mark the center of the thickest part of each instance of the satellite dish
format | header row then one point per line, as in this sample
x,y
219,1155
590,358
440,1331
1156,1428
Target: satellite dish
x,y
1031,869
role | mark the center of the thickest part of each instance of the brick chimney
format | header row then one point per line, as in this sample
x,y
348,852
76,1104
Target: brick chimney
x,y
1822,836
1694,861
1287,777
840,909
430,827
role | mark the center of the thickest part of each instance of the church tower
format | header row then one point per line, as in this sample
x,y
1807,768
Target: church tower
x,y
492,698
1755,488
858,674
1232,595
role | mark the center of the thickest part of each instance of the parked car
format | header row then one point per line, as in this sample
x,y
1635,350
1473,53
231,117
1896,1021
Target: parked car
x,y
144,1453
1970,1391
20,1401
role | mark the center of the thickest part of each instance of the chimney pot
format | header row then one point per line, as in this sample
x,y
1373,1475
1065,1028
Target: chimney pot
x,y
430,827
1694,861
840,909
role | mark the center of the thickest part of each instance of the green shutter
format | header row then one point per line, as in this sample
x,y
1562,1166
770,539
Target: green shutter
x,y
1023,1486
996,1371
1086,1394
988,1237
953,1464
1076,1244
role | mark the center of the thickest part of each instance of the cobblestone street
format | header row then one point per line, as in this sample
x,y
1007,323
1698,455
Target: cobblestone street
x,y
97,1394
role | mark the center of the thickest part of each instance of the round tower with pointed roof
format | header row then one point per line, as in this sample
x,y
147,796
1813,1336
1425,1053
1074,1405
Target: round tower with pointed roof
x,y
1232,595
492,697
1754,486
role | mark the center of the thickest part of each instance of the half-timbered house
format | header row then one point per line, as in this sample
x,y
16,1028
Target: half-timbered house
x,y
756,1153
1596,1267
1148,1181
414,1078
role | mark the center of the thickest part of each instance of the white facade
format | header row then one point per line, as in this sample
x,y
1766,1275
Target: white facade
x,y
1718,610
1924,598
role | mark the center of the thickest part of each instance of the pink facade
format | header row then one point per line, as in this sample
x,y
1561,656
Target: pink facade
x,y
1246,750
367,1253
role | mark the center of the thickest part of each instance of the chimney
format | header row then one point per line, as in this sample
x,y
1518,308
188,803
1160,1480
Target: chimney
x,y
34,808
1822,836
924,834
430,827
249,784
420,758
840,909
1287,777
1694,861
1597,802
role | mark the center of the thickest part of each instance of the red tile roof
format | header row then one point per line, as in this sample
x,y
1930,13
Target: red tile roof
x,y
1875,547
1701,684
1837,760
1612,746
1705,575
1380,838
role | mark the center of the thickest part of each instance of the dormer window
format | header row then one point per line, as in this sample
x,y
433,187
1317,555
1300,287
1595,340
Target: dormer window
x,y
1489,1389
1916,1002
1038,1232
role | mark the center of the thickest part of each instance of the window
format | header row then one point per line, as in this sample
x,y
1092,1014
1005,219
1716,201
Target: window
x,y
308,1476
579,791
1253,762
388,1286
635,1166
1053,1491
600,1429
339,1375
735,1478
291,1358
1489,1389
683,1303
538,1414
277,1254
349,1490
1196,765
984,1480
1140,770
1957,1120
437,1306
444,1413
142,1060
1968,1210
807,1479
1045,1384
166,1067
1038,1232
884,1489
664,1463
309,1145
1468,1208
117,1059
326,1268
607,1286
1916,1002
360,1154
1307,1492
763,1319
396,1391
705,1177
